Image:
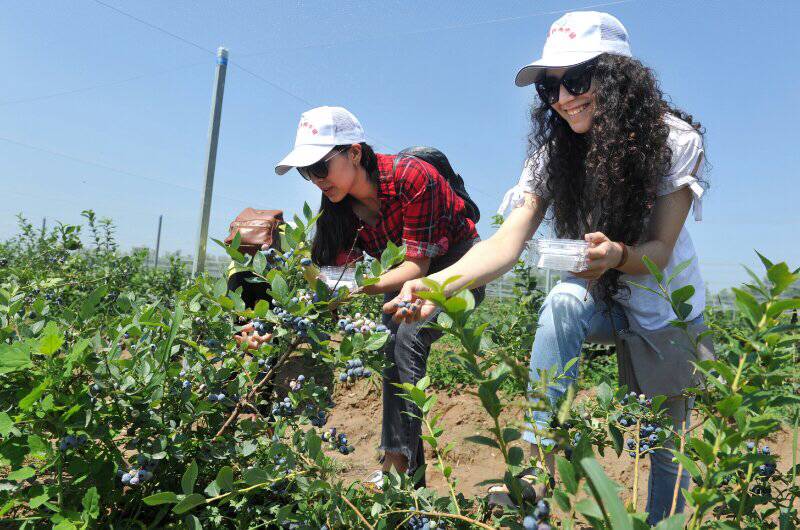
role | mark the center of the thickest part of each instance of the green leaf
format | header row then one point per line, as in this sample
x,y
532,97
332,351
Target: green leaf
x,y
376,341
225,478
13,357
605,488
566,473
729,405
675,522
779,306
21,474
189,502
703,450
781,278
313,444
280,290
683,294
259,263
489,399
91,302
653,268
510,435
255,475
189,478
679,269
562,499
192,523
748,305
33,396
307,211
515,456
164,497
6,424
688,463
91,504
52,340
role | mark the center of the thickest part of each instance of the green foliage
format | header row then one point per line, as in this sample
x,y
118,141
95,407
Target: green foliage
x,y
110,371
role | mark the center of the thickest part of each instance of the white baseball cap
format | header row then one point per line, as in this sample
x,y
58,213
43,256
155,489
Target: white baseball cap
x,y
575,38
320,130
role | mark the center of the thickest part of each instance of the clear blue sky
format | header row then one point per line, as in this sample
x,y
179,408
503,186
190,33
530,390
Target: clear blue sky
x,y
98,110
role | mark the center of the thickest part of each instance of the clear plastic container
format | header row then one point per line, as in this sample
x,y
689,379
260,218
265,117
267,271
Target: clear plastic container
x,y
335,277
561,254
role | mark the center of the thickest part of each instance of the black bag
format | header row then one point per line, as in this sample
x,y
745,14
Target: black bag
x,y
438,160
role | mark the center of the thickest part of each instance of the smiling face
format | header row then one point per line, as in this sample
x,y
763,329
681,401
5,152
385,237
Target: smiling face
x,y
577,111
342,173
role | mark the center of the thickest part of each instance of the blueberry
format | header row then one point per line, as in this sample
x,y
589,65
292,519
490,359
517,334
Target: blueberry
x,y
765,450
182,374
751,446
630,443
367,373
187,384
652,439
343,449
126,478
305,262
343,377
301,378
529,523
543,508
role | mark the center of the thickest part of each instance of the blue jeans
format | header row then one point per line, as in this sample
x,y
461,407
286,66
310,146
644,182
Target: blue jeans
x,y
567,319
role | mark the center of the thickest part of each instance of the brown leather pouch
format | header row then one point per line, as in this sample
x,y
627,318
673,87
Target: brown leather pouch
x,y
258,230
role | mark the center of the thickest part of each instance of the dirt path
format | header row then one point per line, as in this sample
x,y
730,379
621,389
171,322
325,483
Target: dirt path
x,y
358,413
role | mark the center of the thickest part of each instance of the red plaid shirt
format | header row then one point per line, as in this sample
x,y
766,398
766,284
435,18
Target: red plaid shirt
x,y
418,209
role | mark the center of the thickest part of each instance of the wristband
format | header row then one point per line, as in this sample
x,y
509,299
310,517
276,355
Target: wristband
x,y
624,257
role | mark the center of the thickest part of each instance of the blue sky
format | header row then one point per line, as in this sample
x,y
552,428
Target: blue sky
x,y
101,111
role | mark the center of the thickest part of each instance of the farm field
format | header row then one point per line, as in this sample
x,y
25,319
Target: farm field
x,y
125,402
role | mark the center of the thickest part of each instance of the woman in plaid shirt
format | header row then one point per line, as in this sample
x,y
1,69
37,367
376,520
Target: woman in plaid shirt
x,y
368,200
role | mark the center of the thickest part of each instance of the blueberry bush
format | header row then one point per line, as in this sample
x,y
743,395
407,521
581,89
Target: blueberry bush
x,y
127,402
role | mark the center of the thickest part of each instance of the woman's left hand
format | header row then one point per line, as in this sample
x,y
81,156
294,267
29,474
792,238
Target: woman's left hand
x,y
603,254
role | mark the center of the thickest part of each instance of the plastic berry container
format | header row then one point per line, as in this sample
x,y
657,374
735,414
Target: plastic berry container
x,y
335,277
561,254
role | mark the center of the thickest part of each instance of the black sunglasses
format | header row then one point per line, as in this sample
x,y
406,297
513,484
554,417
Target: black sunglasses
x,y
577,80
319,170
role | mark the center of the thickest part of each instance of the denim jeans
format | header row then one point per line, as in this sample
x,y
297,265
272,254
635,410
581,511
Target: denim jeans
x,y
567,319
407,360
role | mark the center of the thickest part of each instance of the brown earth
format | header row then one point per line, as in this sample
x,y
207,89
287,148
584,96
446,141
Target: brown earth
x,y
358,413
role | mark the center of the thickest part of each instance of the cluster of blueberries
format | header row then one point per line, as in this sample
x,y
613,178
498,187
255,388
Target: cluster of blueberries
x,y
260,327
283,408
275,257
360,324
538,519
319,419
355,370
300,324
418,522
296,384
338,441
633,398
648,438
138,476
52,297
767,469
265,365
72,442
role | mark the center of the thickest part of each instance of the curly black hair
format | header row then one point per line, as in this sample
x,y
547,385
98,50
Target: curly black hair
x,y
606,179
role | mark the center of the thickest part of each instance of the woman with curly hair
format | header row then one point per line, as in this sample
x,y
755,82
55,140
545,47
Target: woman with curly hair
x,y
617,167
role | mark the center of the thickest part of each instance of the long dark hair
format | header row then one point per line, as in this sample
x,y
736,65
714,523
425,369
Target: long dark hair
x,y
338,225
610,173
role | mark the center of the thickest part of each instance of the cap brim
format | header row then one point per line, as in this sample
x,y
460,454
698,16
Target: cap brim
x,y
301,156
533,72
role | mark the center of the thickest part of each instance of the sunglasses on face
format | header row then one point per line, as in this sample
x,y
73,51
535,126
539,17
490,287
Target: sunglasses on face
x,y
577,80
319,170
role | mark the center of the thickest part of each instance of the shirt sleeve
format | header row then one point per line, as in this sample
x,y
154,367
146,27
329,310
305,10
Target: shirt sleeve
x,y
687,156
532,180
423,203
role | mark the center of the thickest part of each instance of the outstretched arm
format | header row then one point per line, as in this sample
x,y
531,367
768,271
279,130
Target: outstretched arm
x,y
488,259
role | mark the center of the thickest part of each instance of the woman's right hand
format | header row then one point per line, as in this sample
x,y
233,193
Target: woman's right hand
x,y
249,339
407,306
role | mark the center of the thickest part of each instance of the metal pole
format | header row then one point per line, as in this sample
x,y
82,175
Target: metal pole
x,y
158,240
211,161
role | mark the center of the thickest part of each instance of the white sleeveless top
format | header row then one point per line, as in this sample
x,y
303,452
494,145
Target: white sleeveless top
x,y
649,311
